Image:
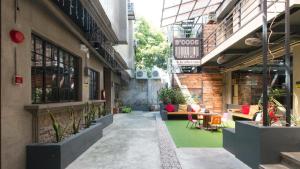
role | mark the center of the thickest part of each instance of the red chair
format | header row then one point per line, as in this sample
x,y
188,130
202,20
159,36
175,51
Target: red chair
x,y
191,120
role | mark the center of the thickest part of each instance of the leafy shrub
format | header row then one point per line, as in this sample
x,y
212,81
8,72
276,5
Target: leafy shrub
x,y
126,109
58,128
75,123
171,95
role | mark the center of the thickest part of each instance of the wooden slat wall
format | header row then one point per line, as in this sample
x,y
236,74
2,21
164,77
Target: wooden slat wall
x,y
210,83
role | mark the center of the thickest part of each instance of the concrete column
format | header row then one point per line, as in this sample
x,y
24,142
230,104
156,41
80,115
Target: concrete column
x,y
296,77
227,92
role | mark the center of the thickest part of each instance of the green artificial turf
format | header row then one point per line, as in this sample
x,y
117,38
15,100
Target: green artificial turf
x,y
193,137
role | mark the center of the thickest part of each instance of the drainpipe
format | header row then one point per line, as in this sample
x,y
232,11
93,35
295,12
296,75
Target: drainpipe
x,y
287,62
265,61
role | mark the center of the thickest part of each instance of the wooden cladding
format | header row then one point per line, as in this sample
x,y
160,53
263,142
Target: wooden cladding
x,y
209,85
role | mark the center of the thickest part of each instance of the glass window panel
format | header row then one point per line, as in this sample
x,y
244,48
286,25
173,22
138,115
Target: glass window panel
x,y
38,93
169,3
32,44
38,46
48,50
61,56
66,59
51,78
170,12
54,81
54,53
187,7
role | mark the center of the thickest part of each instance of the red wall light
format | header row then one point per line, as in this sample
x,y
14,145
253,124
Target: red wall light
x,y
16,36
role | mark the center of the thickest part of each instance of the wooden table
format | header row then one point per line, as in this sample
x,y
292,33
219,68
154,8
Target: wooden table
x,y
206,118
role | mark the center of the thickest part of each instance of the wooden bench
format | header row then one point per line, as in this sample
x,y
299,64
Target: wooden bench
x,y
180,113
237,113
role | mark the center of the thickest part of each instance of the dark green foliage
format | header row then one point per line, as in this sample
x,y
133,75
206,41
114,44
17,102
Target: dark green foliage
x,y
126,109
153,49
171,95
58,129
88,116
75,123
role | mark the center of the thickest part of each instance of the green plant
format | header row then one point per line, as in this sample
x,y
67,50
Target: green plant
x,y
100,111
93,111
126,109
75,123
58,129
88,116
171,95
273,103
178,97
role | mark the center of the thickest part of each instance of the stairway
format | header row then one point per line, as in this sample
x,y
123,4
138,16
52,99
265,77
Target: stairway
x,y
289,160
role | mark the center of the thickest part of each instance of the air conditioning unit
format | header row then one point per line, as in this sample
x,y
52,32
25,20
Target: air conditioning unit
x,y
212,18
155,74
141,74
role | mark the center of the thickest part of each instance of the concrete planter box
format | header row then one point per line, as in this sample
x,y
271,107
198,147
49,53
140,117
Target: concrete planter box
x,y
163,113
255,145
106,120
60,155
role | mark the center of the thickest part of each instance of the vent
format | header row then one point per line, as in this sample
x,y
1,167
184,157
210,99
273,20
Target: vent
x,y
253,41
212,18
156,73
141,74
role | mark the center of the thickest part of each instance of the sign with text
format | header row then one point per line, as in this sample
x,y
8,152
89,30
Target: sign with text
x,y
186,62
186,48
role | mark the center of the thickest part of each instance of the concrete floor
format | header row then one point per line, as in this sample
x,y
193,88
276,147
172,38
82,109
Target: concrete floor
x,y
208,158
131,142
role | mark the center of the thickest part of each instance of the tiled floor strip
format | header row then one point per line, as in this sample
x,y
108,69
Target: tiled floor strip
x,y
167,148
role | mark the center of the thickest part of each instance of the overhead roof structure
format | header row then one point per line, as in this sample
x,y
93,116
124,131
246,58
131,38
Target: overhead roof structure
x,y
176,11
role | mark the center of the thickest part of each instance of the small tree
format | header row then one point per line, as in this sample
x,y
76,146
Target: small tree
x,y
153,49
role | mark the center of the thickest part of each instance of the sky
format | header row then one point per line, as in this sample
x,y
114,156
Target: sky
x,y
150,10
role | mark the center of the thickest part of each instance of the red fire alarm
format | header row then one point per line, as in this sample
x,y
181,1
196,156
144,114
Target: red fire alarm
x,y
16,36
18,80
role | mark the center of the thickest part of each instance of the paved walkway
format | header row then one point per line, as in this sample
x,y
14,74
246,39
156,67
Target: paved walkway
x,y
131,142
139,141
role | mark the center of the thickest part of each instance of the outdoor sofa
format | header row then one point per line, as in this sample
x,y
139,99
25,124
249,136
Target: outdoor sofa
x,y
237,114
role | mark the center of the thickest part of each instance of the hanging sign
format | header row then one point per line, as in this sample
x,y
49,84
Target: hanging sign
x,y
186,51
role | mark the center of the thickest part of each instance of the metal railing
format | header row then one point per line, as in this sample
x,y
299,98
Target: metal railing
x,y
243,13
92,32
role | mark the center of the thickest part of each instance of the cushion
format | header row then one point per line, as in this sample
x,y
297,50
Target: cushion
x,y
170,108
182,108
195,107
245,109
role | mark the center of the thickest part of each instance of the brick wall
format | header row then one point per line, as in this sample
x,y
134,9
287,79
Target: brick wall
x,y
208,29
208,85
249,87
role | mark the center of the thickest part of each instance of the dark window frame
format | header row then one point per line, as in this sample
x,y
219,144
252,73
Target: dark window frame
x,y
93,84
54,73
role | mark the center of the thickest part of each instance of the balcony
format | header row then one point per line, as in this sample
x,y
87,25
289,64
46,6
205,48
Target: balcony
x,y
131,15
243,20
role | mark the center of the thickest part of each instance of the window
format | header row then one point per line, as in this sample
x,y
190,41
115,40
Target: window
x,y
54,73
94,84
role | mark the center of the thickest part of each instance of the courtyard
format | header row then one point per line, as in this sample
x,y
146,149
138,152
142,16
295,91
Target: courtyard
x,y
141,140
160,84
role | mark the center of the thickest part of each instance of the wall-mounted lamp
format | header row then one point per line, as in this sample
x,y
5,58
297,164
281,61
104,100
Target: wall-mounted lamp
x,y
16,36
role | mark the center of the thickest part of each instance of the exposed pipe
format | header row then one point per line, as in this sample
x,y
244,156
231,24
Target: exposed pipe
x,y
287,63
265,62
